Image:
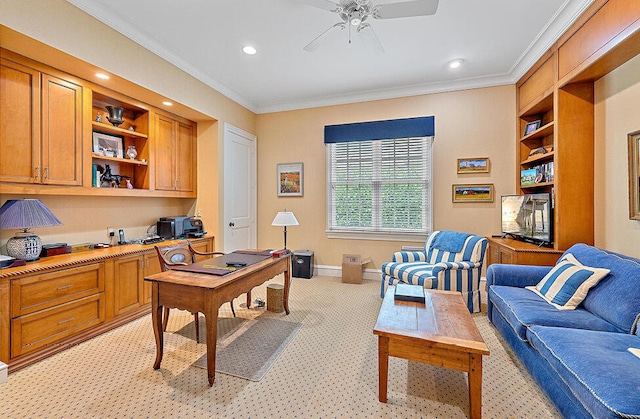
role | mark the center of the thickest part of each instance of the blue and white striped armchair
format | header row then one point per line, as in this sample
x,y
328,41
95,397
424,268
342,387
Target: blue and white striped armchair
x,y
450,261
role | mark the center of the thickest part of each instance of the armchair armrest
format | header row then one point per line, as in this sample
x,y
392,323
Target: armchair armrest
x,y
194,251
515,275
420,256
454,266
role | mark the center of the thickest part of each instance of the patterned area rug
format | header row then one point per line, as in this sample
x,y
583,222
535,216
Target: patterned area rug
x,y
246,348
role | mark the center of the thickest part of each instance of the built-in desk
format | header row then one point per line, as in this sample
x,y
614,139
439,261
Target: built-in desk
x,y
56,302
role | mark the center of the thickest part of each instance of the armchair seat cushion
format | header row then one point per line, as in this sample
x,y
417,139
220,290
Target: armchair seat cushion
x,y
415,273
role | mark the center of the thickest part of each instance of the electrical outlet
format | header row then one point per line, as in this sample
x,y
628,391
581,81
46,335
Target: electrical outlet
x,y
111,232
199,213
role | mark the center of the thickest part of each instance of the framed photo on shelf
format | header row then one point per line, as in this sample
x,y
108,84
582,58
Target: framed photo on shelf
x,y
108,145
475,165
532,126
472,193
290,179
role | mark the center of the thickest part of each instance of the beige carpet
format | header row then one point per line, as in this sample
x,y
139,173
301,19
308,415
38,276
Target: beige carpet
x,y
328,370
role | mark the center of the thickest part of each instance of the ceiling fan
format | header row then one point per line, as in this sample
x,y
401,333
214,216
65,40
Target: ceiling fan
x,y
355,13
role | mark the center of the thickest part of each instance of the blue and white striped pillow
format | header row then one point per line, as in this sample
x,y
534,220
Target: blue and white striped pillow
x,y
568,283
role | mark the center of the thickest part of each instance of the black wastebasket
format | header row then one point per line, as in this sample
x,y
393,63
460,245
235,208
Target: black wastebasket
x,y
302,262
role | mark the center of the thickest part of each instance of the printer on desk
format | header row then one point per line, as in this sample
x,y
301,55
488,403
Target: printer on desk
x,y
180,227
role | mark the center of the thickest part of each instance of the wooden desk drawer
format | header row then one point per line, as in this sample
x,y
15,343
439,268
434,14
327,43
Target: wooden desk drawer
x,y
36,330
39,292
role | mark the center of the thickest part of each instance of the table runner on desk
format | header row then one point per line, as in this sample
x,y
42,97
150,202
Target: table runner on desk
x,y
218,265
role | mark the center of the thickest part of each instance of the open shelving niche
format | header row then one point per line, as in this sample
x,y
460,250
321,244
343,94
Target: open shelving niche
x,y
134,130
541,137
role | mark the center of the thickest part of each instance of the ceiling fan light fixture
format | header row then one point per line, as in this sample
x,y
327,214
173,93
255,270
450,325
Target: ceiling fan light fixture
x,y
249,50
455,63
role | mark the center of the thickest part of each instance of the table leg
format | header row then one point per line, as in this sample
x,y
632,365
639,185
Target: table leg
x,y
211,316
383,367
475,385
287,285
156,319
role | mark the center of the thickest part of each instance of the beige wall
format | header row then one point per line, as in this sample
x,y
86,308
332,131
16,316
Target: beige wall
x,y
61,25
617,113
470,123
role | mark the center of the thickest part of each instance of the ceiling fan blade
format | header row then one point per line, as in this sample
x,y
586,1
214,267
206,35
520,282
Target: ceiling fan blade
x,y
321,4
369,38
405,9
324,37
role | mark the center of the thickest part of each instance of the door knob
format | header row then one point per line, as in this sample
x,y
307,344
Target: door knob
x,y
231,224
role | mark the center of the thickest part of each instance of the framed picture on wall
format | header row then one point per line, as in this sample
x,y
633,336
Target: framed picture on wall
x,y
290,179
475,165
472,193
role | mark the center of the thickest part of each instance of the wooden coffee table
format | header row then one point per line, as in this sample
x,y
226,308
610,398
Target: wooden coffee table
x,y
439,332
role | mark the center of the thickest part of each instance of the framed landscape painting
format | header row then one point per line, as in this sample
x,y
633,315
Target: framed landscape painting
x,y
473,193
290,179
476,165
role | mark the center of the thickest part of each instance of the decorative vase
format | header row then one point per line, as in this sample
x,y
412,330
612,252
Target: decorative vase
x,y
115,115
132,153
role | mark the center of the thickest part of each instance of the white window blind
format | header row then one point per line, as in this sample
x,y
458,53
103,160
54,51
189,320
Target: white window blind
x,y
381,186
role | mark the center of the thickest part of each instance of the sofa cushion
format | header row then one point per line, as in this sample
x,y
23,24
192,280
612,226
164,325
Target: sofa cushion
x,y
568,283
616,298
522,308
597,367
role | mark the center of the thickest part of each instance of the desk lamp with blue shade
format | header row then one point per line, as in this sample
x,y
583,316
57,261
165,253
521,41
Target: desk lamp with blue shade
x,y
24,214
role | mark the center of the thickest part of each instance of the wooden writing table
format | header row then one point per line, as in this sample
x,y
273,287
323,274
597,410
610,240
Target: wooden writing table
x,y
205,293
439,332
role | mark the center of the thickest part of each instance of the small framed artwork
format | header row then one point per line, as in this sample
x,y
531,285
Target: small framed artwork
x,y
290,179
473,193
108,145
477,165
532,126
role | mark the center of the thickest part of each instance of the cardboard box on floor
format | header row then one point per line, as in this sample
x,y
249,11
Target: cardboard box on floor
x,y
352,266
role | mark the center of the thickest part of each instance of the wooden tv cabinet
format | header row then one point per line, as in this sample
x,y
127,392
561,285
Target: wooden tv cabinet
x,y
520,253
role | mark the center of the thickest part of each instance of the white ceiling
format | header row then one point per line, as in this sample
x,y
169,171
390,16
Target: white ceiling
x,y
498,39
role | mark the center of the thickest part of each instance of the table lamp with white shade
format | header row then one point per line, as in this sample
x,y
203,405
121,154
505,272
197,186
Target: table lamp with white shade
x,y
285,218
25,214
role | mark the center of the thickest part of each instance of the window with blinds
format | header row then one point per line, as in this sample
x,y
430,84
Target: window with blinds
x,y
380,187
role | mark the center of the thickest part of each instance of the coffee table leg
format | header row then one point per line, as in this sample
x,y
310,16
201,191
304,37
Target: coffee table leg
x,y
475,385
383,367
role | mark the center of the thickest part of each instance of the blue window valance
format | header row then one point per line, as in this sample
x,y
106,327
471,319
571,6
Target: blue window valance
x,y
380,130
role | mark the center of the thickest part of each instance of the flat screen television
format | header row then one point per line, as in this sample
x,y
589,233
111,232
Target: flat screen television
x,y
528,217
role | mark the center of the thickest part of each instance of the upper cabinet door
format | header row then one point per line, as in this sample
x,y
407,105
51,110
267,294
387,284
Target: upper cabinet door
x,y
19,123
185,158
61,132
165,156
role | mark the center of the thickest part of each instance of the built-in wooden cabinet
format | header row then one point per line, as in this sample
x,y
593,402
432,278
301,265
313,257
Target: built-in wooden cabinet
x,y
175,154
558,91
54,128
40,127
128,283
519,253
56,302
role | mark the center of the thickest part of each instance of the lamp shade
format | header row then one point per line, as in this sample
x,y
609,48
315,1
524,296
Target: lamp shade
x,y
285,218
25,214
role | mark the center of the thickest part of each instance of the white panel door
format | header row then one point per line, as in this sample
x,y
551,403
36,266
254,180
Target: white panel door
x,y
239,189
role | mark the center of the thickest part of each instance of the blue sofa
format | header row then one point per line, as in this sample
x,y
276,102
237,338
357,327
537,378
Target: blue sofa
x,y
580,357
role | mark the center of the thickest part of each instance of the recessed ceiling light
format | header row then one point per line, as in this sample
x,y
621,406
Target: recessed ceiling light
x,y
167,103
456,63
249,50
102,76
